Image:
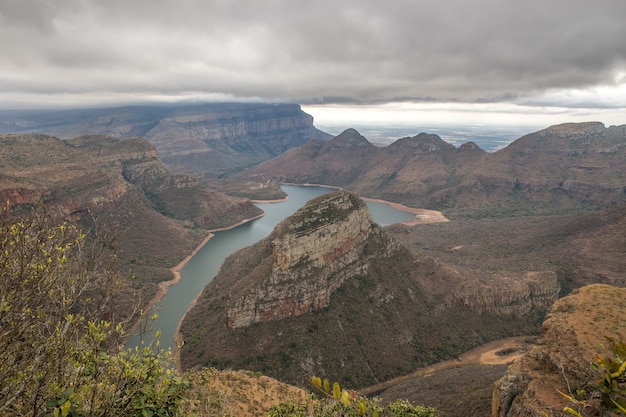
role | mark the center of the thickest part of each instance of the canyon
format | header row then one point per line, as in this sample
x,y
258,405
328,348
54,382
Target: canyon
x,y
329,292
341,284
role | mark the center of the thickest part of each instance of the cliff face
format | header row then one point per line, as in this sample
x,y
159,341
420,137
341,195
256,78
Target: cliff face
x,y
572,334
204,139
514,294
315,252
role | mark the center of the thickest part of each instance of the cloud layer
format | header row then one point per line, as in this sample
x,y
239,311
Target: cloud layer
x,y
531,52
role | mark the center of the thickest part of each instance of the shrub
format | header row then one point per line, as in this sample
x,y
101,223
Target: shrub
x,y
336,401
59,345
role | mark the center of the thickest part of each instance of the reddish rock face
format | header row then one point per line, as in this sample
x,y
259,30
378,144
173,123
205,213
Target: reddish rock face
x,y
310,260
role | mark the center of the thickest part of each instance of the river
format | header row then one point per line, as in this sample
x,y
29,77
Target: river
x,y
204,265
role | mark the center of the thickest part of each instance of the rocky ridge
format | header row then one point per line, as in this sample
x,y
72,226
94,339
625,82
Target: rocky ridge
x,y
125,186
572,334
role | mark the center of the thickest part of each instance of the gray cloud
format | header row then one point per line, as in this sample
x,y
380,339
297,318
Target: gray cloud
x,y
309,51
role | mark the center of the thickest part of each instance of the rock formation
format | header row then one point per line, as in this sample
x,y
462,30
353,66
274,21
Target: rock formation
x,y
314,252
572,334
329,292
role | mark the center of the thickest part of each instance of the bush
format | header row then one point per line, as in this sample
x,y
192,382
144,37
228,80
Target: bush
x,y
609,394
59,343
336,401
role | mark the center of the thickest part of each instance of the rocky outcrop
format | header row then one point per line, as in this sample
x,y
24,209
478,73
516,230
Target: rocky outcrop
x,y
315,252
572,334
330,292
515,295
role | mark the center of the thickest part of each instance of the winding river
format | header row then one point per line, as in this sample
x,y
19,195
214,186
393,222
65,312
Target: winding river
x,y
204,265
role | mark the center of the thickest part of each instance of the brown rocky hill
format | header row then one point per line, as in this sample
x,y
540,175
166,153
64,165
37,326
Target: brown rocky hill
x,y
331,293
124,186
207,140
575,331
569,166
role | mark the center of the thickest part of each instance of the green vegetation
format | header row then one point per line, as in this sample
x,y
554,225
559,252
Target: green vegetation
x,y
609,394
59,348
336,401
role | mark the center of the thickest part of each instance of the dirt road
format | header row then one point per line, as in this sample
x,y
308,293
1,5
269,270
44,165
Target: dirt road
x,y
499,352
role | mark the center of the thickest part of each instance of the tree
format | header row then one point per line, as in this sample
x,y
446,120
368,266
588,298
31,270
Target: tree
x,y
59,336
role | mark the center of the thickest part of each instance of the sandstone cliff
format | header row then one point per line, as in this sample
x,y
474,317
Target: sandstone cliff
x,y
572,334
329,292
208,139
313,254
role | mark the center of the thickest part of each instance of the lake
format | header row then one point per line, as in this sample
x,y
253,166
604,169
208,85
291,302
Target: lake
x,y
203,267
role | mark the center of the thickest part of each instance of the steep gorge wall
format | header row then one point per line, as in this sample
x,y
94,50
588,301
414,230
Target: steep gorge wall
x,y
313,254
517,295
199,139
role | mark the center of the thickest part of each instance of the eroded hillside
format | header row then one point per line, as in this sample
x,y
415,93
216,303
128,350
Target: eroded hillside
x,y
575,331
123,187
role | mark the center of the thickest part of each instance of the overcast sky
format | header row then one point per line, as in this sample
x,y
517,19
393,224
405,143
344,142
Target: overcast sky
x,y
480,61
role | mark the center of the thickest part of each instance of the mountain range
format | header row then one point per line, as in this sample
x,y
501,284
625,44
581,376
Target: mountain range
x,y
563,167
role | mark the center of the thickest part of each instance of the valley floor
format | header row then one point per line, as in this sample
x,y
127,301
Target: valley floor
x,y
498,352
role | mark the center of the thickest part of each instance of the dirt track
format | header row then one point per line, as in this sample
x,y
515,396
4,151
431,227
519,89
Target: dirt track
x,y
499,352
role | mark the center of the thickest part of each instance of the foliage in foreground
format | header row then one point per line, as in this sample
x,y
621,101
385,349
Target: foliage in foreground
x,y
610,392
336,401
59,343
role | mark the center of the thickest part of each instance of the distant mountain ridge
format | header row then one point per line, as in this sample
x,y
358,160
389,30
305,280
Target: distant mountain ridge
x,y
567,165
206,139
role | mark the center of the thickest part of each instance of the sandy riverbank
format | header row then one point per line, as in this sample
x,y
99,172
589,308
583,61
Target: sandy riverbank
x,y
422,216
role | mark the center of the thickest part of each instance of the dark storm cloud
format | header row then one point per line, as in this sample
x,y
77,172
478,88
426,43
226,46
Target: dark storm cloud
x,y
310,51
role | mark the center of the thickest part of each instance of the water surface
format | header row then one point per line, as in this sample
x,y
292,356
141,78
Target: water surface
x,y
203,267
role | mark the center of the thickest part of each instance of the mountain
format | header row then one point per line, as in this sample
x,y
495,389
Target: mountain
x,y
119,185
206,140
331,293
569,166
